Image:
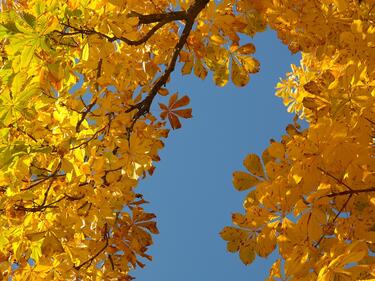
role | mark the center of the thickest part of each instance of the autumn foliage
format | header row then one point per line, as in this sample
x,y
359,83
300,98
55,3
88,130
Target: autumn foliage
x,y
78,80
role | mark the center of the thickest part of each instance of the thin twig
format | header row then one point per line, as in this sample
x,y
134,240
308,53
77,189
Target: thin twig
x,y
52,176
90,260
350,192
335,218
335,178
84,114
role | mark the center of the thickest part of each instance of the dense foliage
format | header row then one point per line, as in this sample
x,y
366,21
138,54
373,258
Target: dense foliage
x,y
77,81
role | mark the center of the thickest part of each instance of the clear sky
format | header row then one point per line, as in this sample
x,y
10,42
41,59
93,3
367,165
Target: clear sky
x,y
191,190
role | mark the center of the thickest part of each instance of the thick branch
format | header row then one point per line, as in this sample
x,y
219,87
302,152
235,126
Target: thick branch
x,y
152,18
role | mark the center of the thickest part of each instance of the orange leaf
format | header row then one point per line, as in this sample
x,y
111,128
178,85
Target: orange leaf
x,y
181,102
175,122
185,113
246,49
163,92
163,106
172,99
163,115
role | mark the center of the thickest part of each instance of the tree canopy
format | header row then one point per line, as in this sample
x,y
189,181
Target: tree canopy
x,y
77,134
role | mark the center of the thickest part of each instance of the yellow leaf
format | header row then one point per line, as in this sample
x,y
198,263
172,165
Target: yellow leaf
x,y
246,49
277,150
217,39
36,249
188,66
243,181
354,253
199,70
239,75
315,224
341,4
51,245
247,254
221,73
265,242
233,246
231,233
275,269
357,26
85,52
250,64
27,55
253,164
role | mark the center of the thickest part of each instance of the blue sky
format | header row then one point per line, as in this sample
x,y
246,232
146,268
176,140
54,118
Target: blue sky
x,y
191,191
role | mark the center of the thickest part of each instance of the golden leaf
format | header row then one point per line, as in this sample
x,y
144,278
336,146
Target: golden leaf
x,y
253,165
243,181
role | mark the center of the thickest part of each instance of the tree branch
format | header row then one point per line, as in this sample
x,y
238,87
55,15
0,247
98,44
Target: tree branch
x,y
335,218
84,114
43,206
152,18
52,176
144,106
335,178
161,19
350,192
90,260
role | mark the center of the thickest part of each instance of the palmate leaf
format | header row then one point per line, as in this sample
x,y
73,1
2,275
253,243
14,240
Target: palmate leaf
x,y
172,112
71,162
236,62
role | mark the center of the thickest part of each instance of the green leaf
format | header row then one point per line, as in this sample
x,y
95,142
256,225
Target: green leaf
x,y
4,32
11,27
4,132
29,19
24,28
